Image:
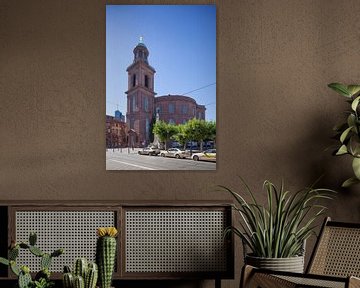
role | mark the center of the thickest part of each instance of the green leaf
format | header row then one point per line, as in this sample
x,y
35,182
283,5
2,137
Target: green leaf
x,y
354,145
349,182
342,150
356,167
4,261
14,268
340,88
353,89
351,120
345,134
355,103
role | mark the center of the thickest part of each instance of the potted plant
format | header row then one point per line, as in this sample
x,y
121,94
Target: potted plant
x,y
348,132
275,233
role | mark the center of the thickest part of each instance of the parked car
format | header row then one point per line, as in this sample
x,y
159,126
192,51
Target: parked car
x,y
207,155
174,152
149,151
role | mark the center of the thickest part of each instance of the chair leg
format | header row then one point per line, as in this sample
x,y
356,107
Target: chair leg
x,y
217,283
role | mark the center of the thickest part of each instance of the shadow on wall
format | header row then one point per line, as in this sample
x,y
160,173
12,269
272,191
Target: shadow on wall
x,y
313,152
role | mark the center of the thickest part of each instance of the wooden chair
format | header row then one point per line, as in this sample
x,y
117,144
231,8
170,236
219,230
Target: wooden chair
x,y
335,262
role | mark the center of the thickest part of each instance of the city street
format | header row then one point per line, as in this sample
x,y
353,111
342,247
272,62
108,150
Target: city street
x,y
131,160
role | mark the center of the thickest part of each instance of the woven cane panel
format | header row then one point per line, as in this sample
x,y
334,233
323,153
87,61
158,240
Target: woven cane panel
x,y
175,241
74,231
312,282
339,253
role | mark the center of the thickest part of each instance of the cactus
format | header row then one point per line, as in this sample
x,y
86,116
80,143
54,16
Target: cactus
x,y
105,254
4,261
32,238
57,253
42,278
24,280
45,261
68,280
91,276
14,268
84,274
79,282
36,251
44,273
13,253
81,265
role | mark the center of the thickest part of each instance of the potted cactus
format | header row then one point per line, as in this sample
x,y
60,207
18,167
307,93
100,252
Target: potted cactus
x,y
85,275
42,278
106,254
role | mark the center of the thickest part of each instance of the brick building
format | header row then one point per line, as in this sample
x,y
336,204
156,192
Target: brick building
x,y
177,109
116,132
142,105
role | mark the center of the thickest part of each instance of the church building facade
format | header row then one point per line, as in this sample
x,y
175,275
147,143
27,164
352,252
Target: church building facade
x,y
143,105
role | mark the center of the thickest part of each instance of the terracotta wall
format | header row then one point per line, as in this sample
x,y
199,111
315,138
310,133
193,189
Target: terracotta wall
x,y
275,113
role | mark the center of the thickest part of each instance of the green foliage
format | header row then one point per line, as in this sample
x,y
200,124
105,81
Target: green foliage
x,y
348,132
193,130
181,135
42,278
279,229
43,283
164,131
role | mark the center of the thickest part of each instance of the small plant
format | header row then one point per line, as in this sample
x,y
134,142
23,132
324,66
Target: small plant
x,y
85,275
279,229
348,132
105,254
42,278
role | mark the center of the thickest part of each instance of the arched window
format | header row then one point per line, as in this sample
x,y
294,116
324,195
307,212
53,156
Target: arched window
x,y
134,80
146,81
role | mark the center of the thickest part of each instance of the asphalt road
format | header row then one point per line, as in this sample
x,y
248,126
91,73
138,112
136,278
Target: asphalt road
x,y
131,160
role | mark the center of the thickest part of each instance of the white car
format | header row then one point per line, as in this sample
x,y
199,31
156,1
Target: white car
x,y
174,152
207,155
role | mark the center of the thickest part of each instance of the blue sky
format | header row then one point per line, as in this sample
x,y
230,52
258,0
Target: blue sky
x,y
181,40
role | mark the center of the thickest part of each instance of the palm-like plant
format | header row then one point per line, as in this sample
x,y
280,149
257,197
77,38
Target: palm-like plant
x,y
349,132
280,229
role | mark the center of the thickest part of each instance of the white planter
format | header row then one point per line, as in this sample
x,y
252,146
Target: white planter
x,y
291,264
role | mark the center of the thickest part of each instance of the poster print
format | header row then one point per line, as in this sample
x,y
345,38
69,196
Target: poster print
x,y
160,87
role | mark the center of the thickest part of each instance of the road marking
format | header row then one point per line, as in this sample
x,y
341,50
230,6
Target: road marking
x,y
126,163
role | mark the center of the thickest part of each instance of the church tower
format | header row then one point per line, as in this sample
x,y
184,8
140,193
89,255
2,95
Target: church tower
x,y
140,95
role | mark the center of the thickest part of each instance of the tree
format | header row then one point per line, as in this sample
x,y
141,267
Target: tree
x,y
181,136
211,131
196,129
164,131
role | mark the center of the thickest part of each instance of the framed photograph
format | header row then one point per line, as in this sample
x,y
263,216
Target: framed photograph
x,y
160,87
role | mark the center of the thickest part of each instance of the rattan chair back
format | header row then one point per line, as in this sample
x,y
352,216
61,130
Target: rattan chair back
x,y
337,252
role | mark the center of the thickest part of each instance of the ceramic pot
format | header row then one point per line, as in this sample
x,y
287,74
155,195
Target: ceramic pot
x,y
291,264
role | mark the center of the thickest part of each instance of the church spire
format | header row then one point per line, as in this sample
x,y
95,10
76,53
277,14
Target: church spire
x,y
141,53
